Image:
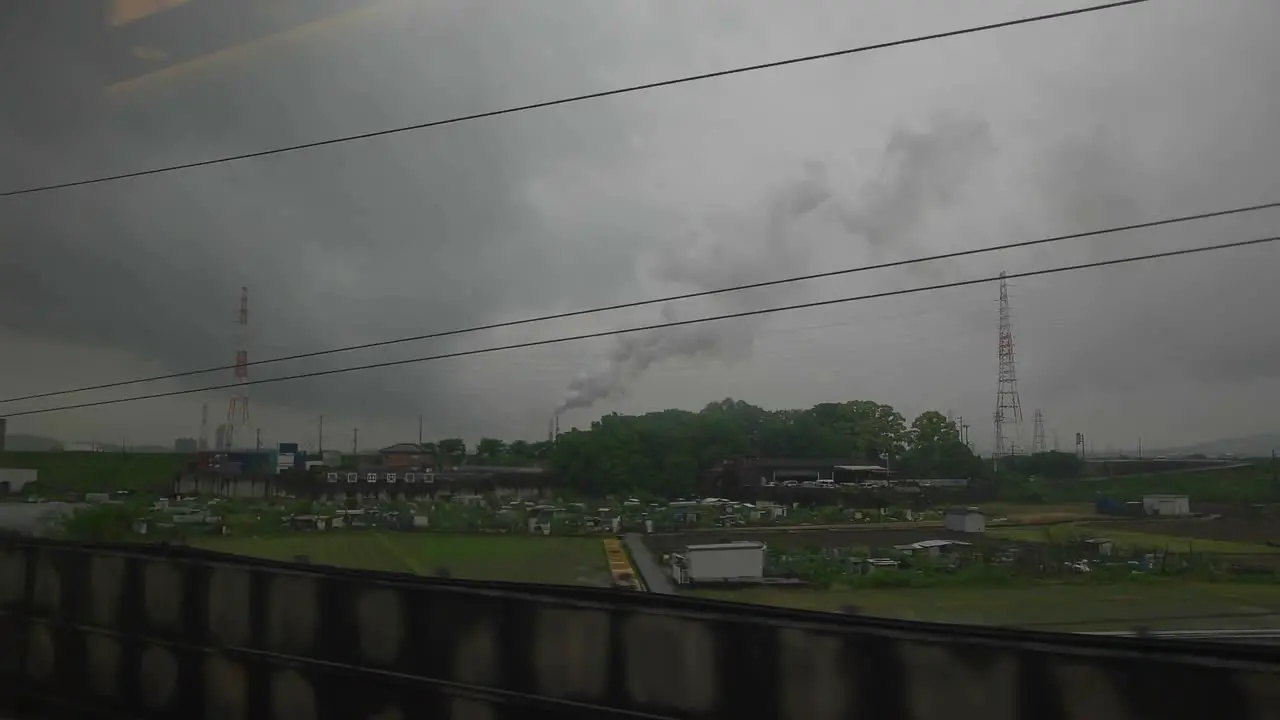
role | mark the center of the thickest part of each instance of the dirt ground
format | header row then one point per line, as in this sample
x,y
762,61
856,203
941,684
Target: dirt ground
x,y
854,536
1230,529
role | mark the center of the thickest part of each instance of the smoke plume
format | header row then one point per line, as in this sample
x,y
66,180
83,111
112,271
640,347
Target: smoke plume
x,y
920,170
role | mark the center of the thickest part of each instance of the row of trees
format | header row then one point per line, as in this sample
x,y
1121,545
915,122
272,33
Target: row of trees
x,y
664,453
489,451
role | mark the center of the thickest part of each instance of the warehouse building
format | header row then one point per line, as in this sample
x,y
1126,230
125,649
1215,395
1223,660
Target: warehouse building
x,y
741,561
1166,505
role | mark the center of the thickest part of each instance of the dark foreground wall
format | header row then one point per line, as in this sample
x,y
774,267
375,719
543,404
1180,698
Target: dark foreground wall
x,y
155,633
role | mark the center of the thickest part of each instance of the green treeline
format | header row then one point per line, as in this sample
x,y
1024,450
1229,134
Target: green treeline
x,y
663,453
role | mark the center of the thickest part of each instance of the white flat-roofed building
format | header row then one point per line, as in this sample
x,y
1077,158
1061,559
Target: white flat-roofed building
x,y
1166,505
719,562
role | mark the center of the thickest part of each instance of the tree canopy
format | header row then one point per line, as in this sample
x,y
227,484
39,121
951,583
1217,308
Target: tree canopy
x,y
663,453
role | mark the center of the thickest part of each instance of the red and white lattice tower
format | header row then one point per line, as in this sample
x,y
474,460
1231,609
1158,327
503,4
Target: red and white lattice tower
x,y
238,406
1008,414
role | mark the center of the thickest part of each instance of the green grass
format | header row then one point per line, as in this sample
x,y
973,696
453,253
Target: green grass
x,y
559,560
1249,484
1122,538
1063,606
61,472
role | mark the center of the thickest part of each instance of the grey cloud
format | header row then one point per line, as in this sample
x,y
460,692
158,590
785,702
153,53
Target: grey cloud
x,y
1093,121
341,245
920,169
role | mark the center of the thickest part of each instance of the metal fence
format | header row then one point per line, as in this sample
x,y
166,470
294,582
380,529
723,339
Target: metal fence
x,y
121,631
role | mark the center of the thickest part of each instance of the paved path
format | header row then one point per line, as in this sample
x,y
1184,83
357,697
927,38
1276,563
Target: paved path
x,y
655,579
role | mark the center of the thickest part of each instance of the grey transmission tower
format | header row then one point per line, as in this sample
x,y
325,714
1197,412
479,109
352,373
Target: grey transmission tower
x,y
1008,415
1037,439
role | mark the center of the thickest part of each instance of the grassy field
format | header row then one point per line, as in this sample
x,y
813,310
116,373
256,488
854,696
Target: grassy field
x,y
1048,513
1123,538
559,560
1066,606
61,472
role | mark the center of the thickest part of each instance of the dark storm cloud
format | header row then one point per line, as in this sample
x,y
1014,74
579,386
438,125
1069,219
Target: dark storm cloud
x,y
1161,109
340,245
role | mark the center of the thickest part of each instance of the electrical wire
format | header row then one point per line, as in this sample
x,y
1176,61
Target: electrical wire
x,y
654,301
669,324
573,99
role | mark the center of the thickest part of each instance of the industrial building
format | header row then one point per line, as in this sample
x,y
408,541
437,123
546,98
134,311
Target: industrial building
x,y
1166,505
744,478
965,520
741,561
286,471
407,455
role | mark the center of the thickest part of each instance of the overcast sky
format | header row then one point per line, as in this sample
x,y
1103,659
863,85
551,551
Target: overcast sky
x,y
1123,116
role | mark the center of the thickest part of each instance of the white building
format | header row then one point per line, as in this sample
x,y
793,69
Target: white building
x,y
719,562
12,480
1166,505
966,520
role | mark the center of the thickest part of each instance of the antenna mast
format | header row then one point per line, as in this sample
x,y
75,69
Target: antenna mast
x,y
238,407
1008,414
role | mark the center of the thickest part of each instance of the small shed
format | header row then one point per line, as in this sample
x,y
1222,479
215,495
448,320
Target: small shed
x,y
1098,547
932,548
966,520
1166,505
720,562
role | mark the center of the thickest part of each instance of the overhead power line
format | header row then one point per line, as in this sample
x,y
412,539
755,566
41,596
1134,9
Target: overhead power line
x,y
670,324
654,301
574,99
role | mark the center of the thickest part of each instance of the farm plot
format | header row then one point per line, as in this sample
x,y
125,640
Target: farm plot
x,y
1068,607
1224,529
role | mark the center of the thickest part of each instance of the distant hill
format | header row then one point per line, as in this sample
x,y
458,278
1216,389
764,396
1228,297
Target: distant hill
x,y
1243,446
31,443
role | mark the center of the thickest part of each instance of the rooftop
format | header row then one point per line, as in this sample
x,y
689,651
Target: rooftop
x,y
739,545
404,447
798,462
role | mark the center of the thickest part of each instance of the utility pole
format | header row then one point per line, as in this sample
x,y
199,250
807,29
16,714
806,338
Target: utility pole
x,y
355,441
419,429
257,441
321,439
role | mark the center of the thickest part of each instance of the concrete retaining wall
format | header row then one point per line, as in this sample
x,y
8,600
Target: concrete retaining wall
x,y
115,631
